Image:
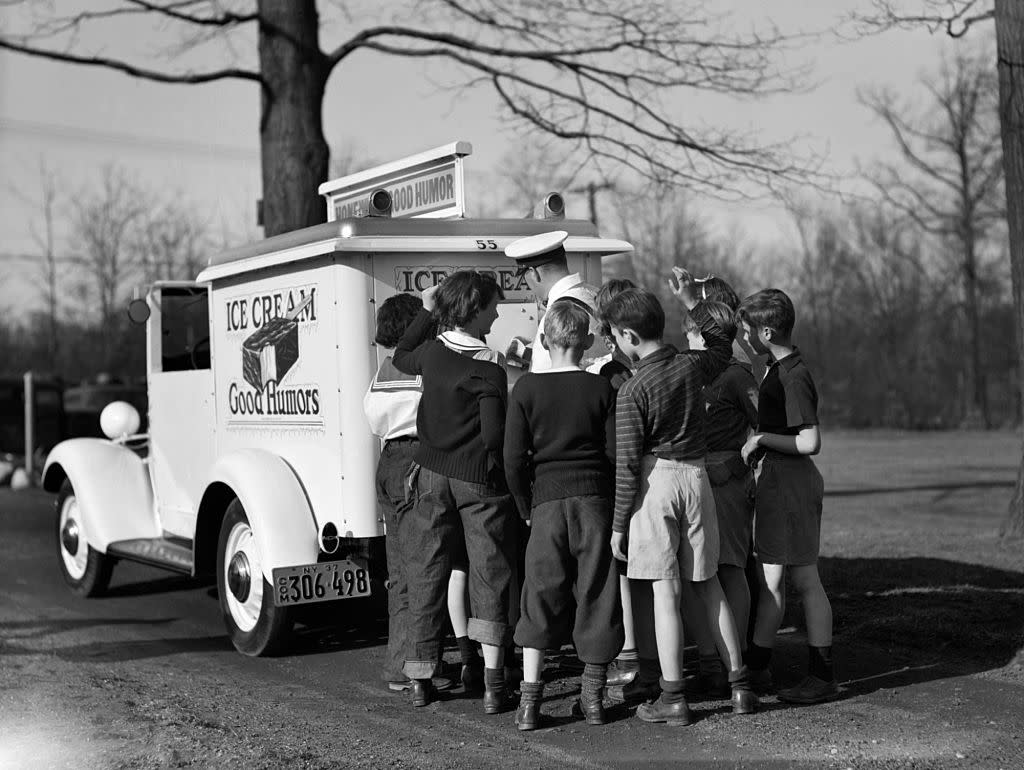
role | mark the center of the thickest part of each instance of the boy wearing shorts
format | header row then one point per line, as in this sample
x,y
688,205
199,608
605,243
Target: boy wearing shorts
x,y
788,499
664,509
558,437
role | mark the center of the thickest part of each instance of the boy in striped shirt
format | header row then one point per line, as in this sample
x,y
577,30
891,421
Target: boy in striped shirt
x,y
665,526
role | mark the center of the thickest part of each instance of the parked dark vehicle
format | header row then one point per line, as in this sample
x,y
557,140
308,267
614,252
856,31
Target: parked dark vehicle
x,y
50,421
83,404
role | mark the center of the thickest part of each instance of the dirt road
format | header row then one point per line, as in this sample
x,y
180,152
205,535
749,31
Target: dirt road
x,y
146,678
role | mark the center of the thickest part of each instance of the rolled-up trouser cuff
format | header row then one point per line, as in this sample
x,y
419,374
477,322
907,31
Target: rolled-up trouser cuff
x,y
488,632
420,669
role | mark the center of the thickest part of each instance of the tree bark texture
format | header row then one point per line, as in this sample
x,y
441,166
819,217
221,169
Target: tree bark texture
x,y
1009,18
293,150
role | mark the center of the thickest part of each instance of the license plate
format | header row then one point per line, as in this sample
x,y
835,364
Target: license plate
x,y
322,582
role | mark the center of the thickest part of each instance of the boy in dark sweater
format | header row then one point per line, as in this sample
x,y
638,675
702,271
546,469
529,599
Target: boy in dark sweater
x,y
558,440
458,478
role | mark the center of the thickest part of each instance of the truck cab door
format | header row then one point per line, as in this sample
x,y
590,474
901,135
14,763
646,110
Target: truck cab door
x,y
181,402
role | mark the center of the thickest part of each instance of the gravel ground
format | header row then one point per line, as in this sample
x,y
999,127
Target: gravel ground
x,y
929,624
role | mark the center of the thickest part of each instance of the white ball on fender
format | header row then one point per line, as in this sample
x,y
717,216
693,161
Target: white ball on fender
x,y
119,418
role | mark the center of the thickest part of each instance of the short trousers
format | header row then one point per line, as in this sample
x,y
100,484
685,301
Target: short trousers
x,y
732,483
787,504
673,533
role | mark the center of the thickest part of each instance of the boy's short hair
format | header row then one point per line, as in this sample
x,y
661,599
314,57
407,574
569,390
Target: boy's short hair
x,y
566,325
771,308
394,316
639,310
715,289
720,311
462,296
608,290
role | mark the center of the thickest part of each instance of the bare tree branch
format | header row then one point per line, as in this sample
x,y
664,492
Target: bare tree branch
x,y
224,19
954,17
131,69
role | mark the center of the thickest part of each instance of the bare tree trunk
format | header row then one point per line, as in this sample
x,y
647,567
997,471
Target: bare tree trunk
x,y
293,149
1010,52
979,385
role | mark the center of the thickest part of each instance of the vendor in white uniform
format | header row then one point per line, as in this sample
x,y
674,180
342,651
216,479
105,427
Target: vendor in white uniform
x,y
541,258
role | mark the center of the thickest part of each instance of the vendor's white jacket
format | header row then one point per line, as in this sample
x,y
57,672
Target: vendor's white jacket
x,y
570,286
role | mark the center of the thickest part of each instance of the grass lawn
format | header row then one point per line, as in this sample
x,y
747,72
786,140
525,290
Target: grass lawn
x,y
911,555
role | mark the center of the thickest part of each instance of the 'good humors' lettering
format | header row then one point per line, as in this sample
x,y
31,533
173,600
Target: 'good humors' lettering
x,y
273,401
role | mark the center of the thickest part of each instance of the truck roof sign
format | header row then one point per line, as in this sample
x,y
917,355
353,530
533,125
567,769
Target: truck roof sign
x,y
429,184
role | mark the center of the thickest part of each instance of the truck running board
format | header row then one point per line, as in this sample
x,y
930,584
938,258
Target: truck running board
x,y
156,552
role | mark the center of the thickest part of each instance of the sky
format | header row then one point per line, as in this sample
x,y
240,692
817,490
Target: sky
x,y
200,143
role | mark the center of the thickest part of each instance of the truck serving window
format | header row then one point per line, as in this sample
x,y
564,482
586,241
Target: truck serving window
x,y
185,329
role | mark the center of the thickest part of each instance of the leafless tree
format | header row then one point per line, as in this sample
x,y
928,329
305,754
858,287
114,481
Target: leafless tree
x,y
172,243
949,182
665,228
105,225
531,168
867,289
43,231
956,18
606,76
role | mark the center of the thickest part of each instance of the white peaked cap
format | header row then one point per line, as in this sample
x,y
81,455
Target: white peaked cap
x,y
534,249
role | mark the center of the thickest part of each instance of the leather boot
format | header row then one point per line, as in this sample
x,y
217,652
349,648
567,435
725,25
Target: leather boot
x,y
496,695
528,713
744,699
422,692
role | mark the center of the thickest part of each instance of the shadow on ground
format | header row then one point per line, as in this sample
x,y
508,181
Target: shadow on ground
x,y
901,621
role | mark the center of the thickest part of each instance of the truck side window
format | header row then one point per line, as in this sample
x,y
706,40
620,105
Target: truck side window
x,y
184,328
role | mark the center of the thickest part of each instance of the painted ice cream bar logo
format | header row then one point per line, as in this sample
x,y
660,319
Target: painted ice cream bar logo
x,y
420,277
270,354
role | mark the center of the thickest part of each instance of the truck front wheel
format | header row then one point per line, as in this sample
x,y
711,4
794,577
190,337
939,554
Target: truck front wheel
x,y
85,570
256,626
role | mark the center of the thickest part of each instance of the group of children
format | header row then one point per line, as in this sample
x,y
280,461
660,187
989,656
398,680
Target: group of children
x,y
636,482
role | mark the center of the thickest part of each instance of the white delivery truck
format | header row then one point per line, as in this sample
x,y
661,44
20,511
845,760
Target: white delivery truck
x,y
258,465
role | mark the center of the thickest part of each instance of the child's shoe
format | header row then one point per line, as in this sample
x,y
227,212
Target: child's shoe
x,y
677,714
810,690
422,692
591,701
528,713
744,700
403,683
636,691
497,698
622,672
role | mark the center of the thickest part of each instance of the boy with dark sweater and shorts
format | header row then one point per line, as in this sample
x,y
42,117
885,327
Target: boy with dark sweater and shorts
x,y
458,478
665,526
558,442
788,500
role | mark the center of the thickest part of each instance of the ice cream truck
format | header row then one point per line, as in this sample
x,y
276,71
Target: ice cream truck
x,y
258,464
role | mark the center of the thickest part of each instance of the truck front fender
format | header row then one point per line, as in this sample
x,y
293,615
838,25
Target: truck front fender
x,y
112,484
275,503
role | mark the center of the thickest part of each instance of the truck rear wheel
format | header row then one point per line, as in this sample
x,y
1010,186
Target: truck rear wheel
x,y
256,626
85,570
